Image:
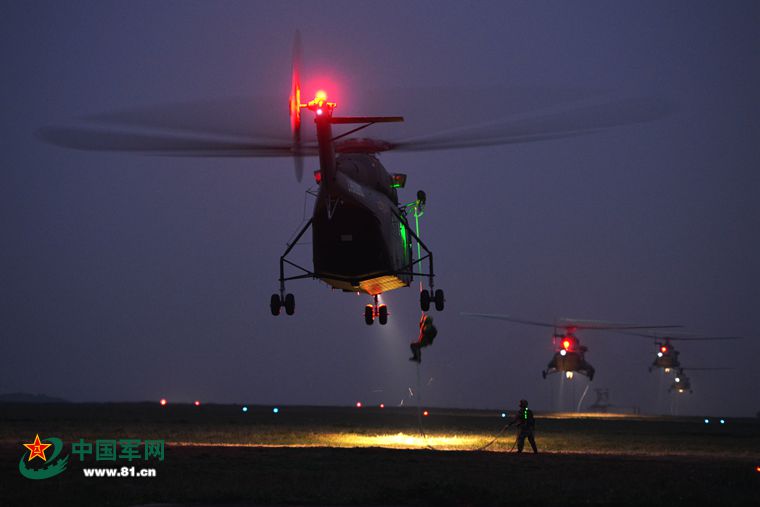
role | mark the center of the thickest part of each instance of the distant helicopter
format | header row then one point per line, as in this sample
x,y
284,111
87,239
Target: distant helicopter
x,y
667,355
682,383
361,236
569,354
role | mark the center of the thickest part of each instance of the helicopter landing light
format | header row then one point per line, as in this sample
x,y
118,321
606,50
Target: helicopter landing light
x,y
568,374
563,352
680,390
659,354
667,370
677,379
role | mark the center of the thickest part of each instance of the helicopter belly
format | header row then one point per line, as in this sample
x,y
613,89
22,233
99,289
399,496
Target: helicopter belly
x,y
568,362
352,248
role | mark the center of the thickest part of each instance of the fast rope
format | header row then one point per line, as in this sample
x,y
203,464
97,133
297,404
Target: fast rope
x,y
424,435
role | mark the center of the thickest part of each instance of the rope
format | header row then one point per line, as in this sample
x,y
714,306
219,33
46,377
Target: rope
x,y
425,437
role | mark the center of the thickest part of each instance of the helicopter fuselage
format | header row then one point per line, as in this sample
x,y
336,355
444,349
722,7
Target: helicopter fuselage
x,y
359,242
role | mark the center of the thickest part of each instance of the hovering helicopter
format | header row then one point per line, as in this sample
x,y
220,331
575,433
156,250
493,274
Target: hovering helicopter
x,y
361,236
667,355
569,354
682,383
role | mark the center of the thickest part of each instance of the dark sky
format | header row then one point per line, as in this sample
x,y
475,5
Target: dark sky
x,y
128,277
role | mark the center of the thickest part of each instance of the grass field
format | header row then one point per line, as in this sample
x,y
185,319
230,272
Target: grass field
x,y
371,456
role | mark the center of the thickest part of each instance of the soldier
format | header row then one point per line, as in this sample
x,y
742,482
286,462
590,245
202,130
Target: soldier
x,y
427,334
524,420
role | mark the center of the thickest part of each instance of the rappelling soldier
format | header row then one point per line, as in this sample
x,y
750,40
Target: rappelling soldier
x,y
428,333
525,422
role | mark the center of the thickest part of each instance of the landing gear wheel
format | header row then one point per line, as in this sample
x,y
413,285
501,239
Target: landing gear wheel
x,y
290,304
425,300
275,304
439,300
383,315
369,316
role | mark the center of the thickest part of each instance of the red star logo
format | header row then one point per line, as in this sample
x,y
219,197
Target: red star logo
x,y
37,449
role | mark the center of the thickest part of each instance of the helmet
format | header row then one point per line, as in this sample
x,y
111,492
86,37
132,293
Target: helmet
x,y
523,403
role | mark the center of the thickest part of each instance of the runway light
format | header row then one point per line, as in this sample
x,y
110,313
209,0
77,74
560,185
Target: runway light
x,y
426,413
276,410
358,404
757,469
503,415
723,421
197,403
707,421
163,402
563,352
245,409
382,405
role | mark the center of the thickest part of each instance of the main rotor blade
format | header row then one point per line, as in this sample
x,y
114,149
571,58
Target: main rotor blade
x,y
260,117
507,318
592,325
568,121
673,336
89,139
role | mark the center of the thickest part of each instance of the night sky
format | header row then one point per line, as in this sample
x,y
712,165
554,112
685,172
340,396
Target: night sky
x,y
127,277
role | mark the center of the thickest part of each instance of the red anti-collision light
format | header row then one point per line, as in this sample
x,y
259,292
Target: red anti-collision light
x,y
663,349
318,177
566,344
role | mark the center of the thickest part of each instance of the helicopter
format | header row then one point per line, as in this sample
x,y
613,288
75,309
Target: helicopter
x,y
667,355
569,354
682,383
362,240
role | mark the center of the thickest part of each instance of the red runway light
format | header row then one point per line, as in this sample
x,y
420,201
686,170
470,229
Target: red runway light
x,y
358,404
163,401
382,405
426,413
197,403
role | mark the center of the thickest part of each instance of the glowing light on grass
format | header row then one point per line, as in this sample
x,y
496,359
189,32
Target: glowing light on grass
x,y
275,410
163,402
245,409
405,441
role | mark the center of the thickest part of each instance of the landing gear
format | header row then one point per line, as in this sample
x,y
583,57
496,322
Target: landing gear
x,y
425,300
383,315
276,302
438,299
376,311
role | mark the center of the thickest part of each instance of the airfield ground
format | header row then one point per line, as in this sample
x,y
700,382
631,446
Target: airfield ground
x,y
218,454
